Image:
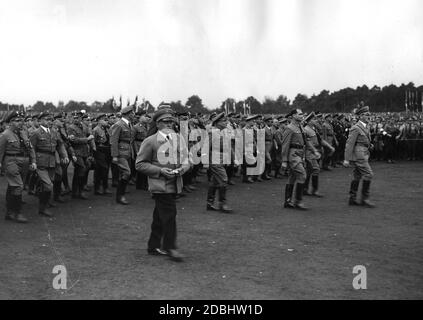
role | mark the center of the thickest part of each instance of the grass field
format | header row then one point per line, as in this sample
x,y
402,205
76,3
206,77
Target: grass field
x,y
261,252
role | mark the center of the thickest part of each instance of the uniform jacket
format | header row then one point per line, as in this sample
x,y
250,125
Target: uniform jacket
x,y
13,143
292,136
358,143
140,133
79,142
101,138
45,146
328,133
313,144
147,163
121,140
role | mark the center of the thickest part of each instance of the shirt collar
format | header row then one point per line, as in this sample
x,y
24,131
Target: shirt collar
x,y
44,128
126,121
363,124
164,135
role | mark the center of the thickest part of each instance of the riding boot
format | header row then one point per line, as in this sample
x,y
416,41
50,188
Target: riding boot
x,y
210,198
81,186
264,175
353,193
57,191
75,186
306,184
315,186
120,192
65,180
365,194
97,182
18,216
222,200
9,205
32,183
43,203
298,204
288,195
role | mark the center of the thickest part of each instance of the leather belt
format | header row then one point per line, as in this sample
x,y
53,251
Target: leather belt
x,y
46,152
15,154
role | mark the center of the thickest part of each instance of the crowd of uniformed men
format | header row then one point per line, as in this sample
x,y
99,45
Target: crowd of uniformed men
x,y
37,149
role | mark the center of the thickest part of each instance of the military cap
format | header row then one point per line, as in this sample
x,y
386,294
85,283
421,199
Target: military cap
x,y
164,105
292,112
127,109
230,114
318,114
284,120
140,112
266,118
280,117
213,114
218,117
327,115
238,116
183,114
101,116
340,117
309,117
58,116
14,115
361,109
253,117
44,115
35,116
28,117
165,113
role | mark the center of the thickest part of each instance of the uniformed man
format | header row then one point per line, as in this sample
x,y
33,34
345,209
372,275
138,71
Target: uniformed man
x,y
277,150
140,133
14,161
102,156
122,151
218,175
357,151
268,146
248,157
87,127
46,141
312,156
32,176
58,126
329,137
80,140
293,156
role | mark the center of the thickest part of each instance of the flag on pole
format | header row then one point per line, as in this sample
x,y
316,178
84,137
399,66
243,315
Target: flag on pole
x,y
406,101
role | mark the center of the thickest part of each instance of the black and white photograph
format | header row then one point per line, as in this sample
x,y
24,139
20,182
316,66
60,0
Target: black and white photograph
x,y
231,152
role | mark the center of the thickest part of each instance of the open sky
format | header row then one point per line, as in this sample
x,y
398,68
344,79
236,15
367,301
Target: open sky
x,y
167,50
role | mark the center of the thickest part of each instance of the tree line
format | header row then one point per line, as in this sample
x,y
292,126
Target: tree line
x,y
390,98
